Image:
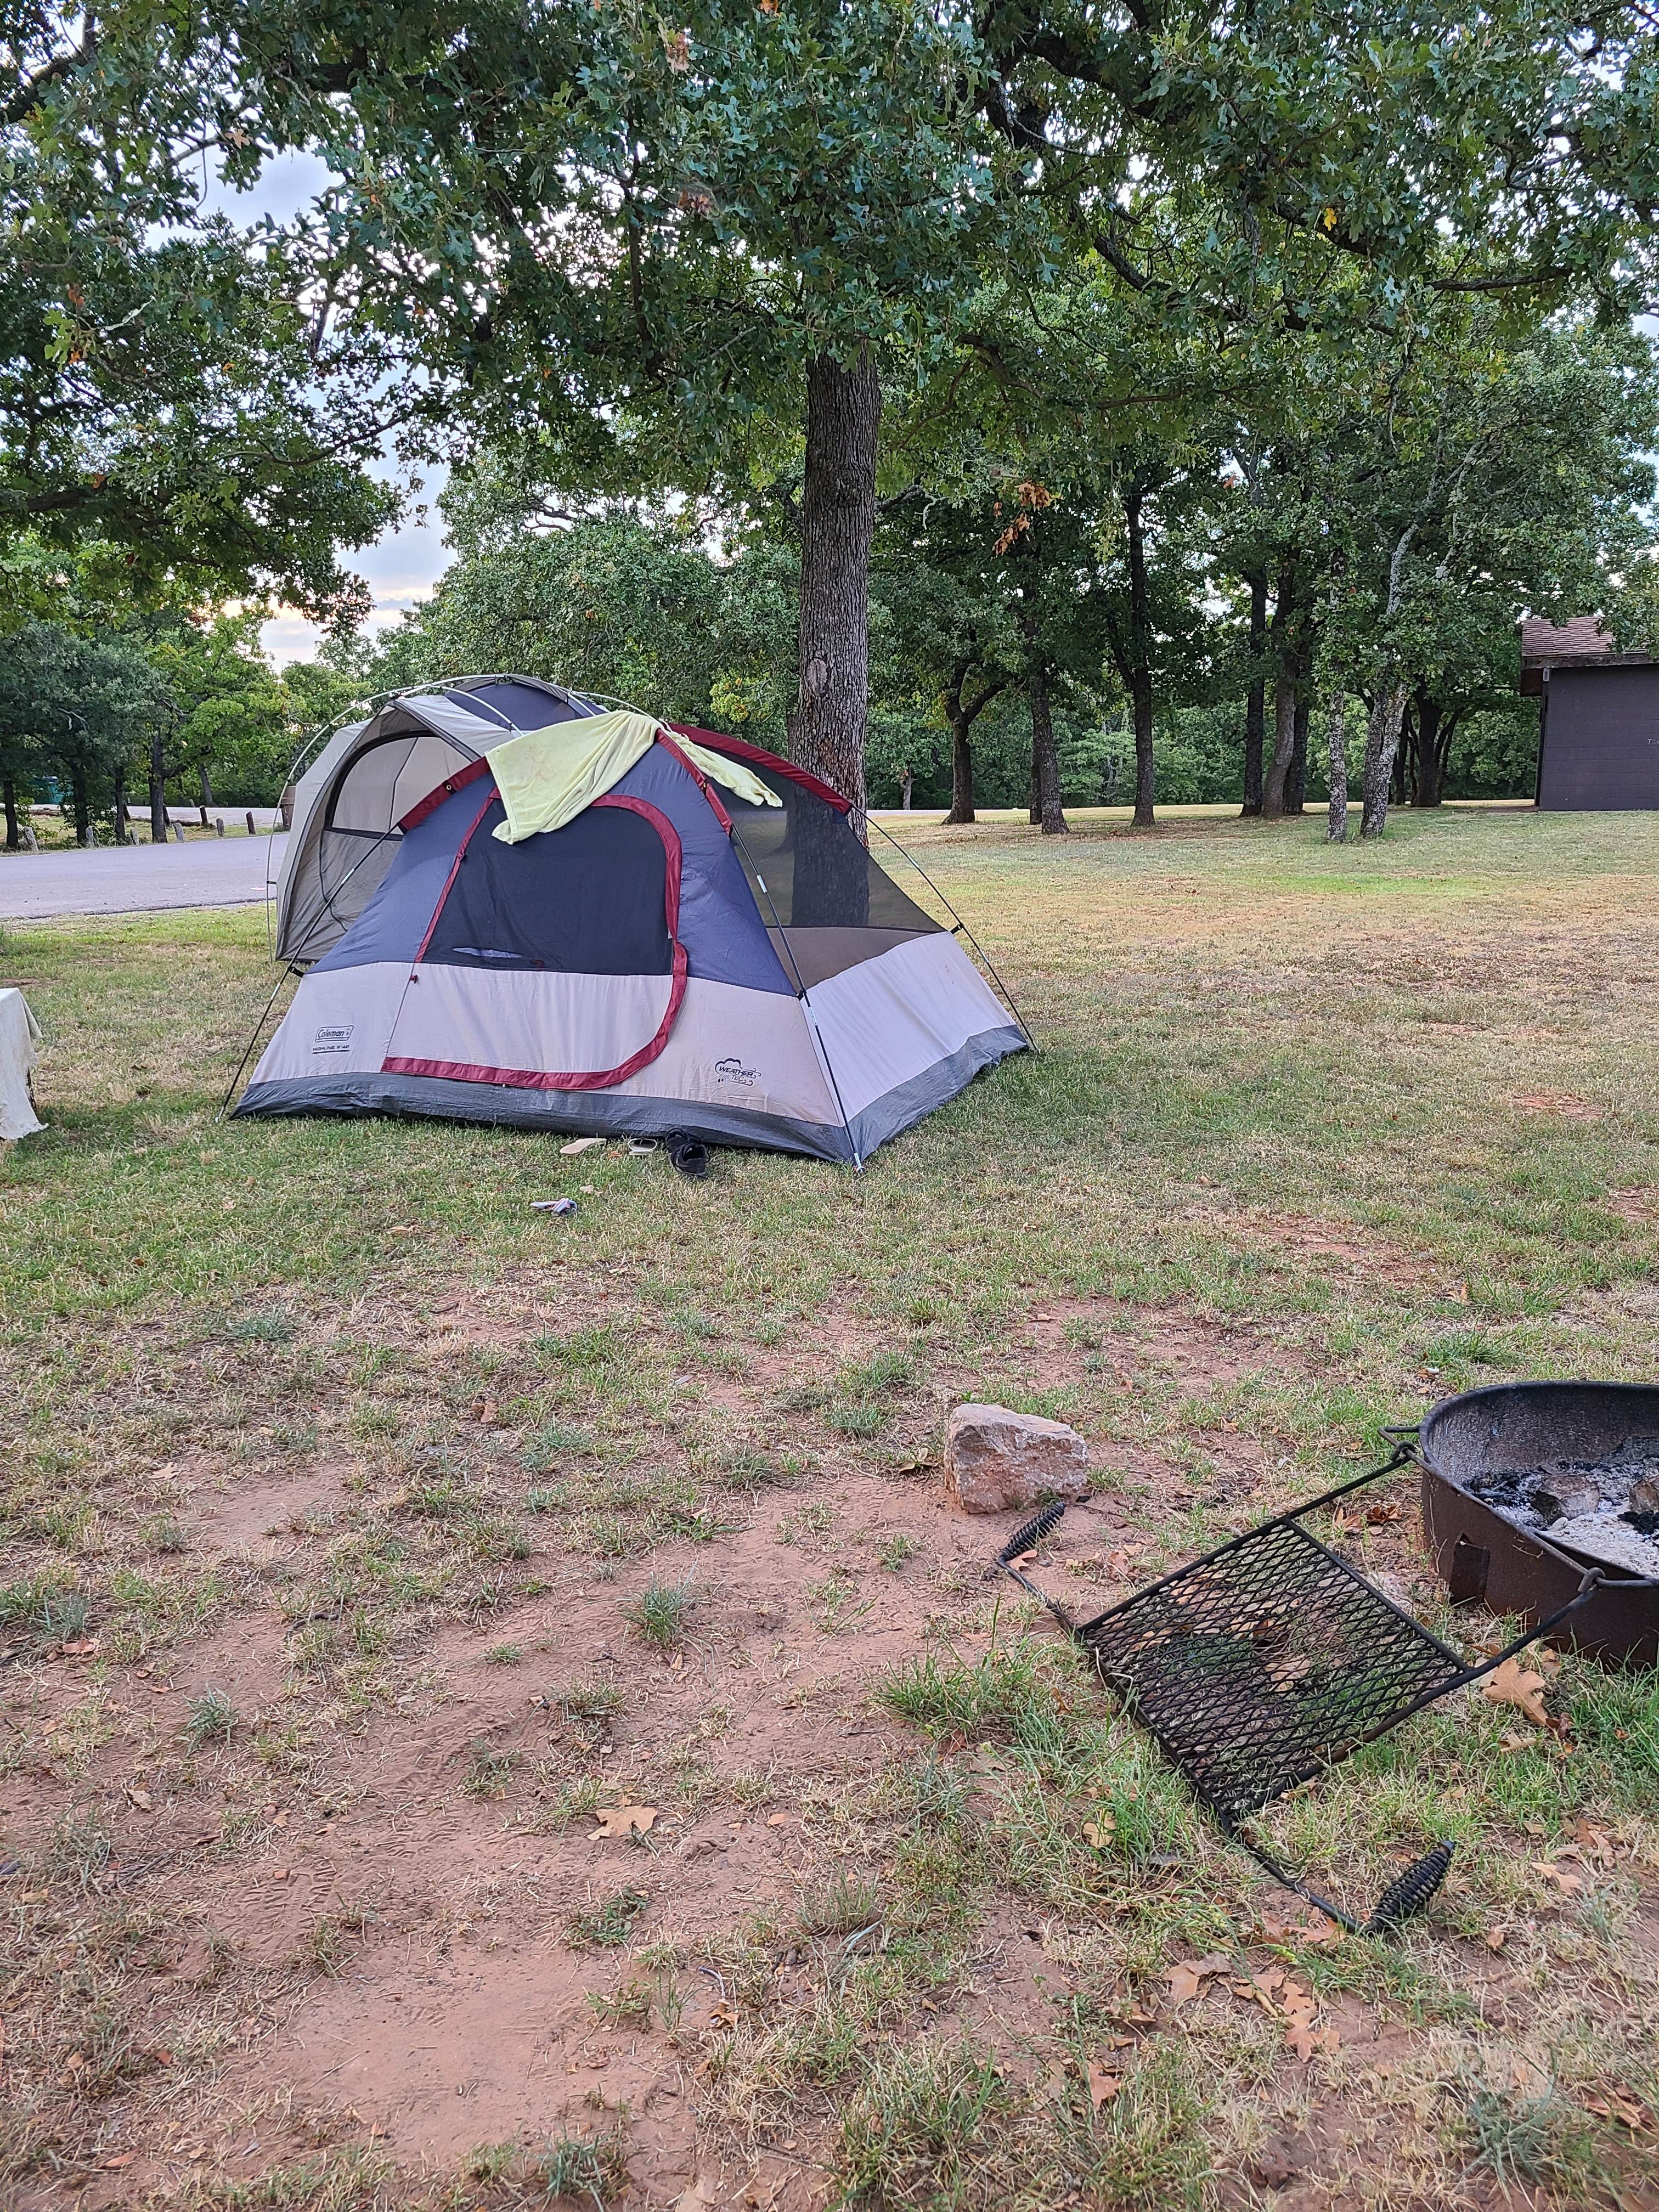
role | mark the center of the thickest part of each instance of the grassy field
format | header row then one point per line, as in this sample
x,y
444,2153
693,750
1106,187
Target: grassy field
x,y
369,1535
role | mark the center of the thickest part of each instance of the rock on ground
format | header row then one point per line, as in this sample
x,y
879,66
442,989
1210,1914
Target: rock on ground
x,y
996,1460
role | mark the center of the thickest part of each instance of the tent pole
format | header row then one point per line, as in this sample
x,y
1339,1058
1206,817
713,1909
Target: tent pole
x,y
247,1049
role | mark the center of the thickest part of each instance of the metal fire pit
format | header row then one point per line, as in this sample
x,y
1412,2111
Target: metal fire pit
x,y
1471,1443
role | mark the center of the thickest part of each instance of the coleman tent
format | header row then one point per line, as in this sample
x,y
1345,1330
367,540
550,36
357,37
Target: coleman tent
x,y
512,907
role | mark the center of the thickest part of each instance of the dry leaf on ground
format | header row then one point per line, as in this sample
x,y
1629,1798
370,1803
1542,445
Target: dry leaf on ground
x,y
623,1820
1103,2083
139,1797
1615,2105
1564,1879
1512,1684
1187,1979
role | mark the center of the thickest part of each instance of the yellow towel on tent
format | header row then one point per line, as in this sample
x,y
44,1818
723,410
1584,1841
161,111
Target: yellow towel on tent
x,y
548,777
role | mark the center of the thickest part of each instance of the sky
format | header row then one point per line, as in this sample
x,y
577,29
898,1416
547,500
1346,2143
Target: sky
x,y
403,565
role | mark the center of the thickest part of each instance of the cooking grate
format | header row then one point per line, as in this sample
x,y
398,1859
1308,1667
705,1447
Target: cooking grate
x,y
1260,1665
1267,1660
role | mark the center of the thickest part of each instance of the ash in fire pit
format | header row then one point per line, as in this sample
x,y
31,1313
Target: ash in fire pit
x,y
1603,1509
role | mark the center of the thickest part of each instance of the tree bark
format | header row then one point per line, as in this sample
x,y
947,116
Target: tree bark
x,y
962,767
119,810
1296,781
1336,734
1278,768
207,794
158,788
1381,743
1284,696
906,781
1045,755
1430,746
82,804
1255,703
1140,637
9,789
828,721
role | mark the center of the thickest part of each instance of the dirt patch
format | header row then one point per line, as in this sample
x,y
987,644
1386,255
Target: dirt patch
x,y
1566,1105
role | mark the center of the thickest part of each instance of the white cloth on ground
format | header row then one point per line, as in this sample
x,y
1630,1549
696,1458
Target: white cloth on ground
x,y
19,1036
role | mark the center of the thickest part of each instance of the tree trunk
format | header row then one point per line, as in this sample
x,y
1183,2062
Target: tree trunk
x,y
1033,787
207,794
82,806
1381,743
1045,755
1296,781
1255,704
1141,647
158,788
962,766
1284,696
1428,755
119,809
1337,737
9,788
828,723
906,781
1278,768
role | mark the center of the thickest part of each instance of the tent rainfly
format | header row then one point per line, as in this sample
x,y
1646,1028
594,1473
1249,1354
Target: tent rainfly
x,y
509,906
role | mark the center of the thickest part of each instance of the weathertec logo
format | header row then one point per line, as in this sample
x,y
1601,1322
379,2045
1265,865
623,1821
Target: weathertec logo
x,y
734,1071
335,1038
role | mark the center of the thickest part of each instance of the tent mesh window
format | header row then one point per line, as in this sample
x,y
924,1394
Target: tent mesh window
x,y
813,871
1259,1666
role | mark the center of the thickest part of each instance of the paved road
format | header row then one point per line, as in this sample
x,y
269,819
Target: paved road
x,y
138,878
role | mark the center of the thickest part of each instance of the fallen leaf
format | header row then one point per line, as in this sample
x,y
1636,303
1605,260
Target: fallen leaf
x,y
83,1649
1376,1515
778,1820
280,1874
1564,1879
1117,1565
1495,1938
121,2157
1614,2106
141,1798
1512,1684
1103,2083
1101,1830
1187,1979
1307,1934
624,1821
484,1409
724,2015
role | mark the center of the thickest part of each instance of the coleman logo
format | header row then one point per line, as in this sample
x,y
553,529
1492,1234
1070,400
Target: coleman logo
x,y
334,1039
734,1071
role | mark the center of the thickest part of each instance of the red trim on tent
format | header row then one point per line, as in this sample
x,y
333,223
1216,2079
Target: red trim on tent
x,y
527,1079
447,789
697,777
741,749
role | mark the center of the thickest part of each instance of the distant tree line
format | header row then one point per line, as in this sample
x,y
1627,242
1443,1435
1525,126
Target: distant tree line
x,y
1055,400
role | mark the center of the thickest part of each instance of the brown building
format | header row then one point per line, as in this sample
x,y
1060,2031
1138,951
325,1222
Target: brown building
x,y
1598,726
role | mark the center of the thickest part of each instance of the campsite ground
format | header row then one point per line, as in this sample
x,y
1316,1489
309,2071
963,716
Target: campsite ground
x,y
368,1532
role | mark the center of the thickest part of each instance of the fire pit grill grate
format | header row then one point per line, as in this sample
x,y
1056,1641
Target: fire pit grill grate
x,y
1269,1660
1260,1665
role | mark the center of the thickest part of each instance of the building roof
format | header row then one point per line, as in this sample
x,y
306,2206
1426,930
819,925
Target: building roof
x,y
1580,643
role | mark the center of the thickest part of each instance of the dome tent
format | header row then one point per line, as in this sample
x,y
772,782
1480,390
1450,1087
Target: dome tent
x,y
698,944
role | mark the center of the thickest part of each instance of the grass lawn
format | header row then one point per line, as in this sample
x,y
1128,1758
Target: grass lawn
x,y
371,1538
